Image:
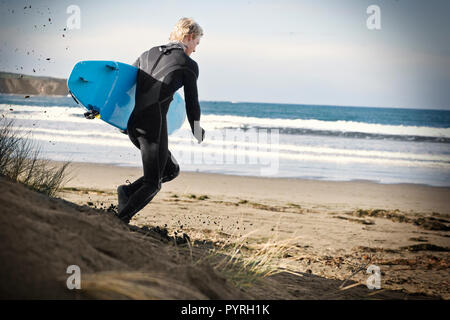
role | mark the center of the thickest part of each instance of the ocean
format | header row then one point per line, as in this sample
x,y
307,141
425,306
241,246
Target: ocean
x,y
337,143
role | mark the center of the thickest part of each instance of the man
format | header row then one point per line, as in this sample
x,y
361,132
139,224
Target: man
x,y
162,71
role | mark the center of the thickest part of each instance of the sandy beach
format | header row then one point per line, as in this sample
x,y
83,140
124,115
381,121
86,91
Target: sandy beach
x,y
333,228
315,158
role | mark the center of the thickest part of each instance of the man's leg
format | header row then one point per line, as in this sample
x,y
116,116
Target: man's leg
x,y
172,168
171,171
154,152
148,185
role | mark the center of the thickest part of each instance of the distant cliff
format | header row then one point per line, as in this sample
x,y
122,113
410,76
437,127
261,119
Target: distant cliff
x,y
25,84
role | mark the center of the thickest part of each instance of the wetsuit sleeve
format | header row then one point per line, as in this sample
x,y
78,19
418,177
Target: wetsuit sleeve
x,y
191,96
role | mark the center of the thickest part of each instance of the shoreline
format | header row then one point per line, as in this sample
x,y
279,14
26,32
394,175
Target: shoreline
x,y
268,177
356,193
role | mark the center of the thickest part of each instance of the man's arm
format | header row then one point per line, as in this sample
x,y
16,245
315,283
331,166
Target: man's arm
x,y
193,111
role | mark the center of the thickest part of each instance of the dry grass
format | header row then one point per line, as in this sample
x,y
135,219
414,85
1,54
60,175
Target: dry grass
x,y
245,265
239,259
240,265
243,261
134,285
20,161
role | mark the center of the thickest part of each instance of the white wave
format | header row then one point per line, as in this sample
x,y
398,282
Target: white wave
x,y
64,114
71,133
100,137
82,140
257,156
224,121
27,108
324,150
265,156
212,122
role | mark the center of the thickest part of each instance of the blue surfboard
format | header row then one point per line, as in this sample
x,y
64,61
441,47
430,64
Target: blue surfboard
x,y
109,87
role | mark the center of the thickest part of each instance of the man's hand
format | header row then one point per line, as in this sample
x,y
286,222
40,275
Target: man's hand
x,y
199,132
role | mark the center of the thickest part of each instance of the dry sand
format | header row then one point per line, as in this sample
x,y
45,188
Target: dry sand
x,y
333,230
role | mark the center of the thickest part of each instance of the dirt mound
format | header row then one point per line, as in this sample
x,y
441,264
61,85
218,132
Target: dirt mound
x,y
41,236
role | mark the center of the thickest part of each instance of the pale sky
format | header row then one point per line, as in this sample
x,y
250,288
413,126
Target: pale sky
x,y
305,52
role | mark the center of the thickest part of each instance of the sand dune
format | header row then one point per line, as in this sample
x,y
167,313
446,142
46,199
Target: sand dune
x,y
41,237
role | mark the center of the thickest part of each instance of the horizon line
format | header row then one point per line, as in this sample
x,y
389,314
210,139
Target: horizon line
x,y
255,102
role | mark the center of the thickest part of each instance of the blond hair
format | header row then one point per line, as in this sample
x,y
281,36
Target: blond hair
x,y
184,27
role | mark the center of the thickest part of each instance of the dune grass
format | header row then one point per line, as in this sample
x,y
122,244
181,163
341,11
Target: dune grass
x,y
135,285
244,261
20,160
244,266
241,266
240,259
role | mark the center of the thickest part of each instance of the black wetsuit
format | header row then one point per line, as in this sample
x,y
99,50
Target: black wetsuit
x,y
162,71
